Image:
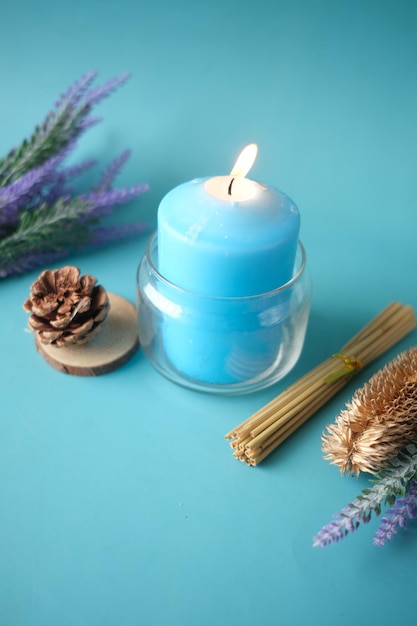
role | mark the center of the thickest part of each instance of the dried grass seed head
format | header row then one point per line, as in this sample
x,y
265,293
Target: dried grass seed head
x,y
378,422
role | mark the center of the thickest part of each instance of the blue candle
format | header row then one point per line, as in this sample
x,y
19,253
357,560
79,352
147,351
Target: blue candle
x,y
223,237
227,244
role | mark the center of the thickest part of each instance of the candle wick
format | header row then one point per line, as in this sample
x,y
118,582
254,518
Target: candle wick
x,y
229,191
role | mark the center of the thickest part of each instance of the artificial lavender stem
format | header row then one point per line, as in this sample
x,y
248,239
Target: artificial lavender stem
x,y
76,91
29,262
405,508
41,215
19,193
60,187
94,96
111,172
102,203
103,235
391,482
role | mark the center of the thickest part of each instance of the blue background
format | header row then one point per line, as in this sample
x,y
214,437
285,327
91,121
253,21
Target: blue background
x,y
120,500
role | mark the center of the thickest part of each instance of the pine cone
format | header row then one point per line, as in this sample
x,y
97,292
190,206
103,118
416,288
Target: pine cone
x,y
66,308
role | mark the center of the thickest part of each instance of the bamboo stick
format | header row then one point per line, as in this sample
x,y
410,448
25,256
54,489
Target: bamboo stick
x,y
259,435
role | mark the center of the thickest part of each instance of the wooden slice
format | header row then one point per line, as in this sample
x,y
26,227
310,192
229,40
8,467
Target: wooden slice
x,y
114,344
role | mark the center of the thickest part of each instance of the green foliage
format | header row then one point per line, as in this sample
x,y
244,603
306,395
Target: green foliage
x,y
49,228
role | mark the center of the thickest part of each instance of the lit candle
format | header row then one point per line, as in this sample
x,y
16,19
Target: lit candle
x,y
225,238
227,235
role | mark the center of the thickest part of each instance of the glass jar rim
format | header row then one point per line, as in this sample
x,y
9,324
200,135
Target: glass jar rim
x,y
152,245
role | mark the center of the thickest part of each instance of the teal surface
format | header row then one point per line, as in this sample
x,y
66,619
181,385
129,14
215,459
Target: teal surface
x,y
120,500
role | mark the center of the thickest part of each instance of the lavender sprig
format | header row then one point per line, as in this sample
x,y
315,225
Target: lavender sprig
x,y
99,93
405,508
24,191
43,228
41,217
61,185
102,203
111,172
29,262
75,91
388,485
103,235
66,225
61,126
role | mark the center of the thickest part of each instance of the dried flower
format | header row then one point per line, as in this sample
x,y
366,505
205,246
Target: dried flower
x,y
66,308
378,422
393,481
41,217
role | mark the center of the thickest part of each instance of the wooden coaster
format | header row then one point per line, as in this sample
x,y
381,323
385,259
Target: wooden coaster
x,y
115,343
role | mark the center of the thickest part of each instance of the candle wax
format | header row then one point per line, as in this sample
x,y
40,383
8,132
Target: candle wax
x,y
218,244
223,239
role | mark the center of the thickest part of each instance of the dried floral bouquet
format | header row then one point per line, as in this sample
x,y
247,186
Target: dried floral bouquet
x,y
395,486
41,217
377,434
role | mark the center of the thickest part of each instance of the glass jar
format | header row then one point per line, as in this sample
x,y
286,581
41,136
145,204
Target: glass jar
x,y
222,345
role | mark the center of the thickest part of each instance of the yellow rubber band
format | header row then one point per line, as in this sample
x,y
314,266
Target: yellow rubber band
x,y
351,365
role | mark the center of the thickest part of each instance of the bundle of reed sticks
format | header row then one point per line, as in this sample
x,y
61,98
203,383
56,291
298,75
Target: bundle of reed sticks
x,y
255,438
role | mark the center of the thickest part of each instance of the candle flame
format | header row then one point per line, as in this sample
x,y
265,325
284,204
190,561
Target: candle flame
x,y
244,161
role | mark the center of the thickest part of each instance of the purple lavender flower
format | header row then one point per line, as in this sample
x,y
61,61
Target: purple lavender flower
x,y
31,261
19,193
103,202
103,235
111,172
76,170
41,216
94,96
88,122
391,482
76,91
61,127
60,187
347,521
396,517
